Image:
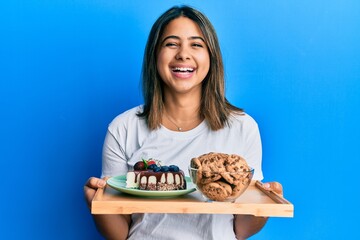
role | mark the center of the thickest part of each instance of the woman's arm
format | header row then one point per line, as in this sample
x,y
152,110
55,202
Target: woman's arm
x,y
112,227
247,225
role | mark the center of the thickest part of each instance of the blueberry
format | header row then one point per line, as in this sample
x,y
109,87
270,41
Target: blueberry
x,y
152,166
173,168
164,168
157,169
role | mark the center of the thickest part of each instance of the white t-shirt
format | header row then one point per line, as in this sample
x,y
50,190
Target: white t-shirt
x,y
128,140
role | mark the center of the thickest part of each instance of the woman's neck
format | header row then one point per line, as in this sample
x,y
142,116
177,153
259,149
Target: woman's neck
x,y
181,114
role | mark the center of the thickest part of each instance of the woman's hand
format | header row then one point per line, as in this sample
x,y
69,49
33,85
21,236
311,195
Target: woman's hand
x,y
275,186
246,226
111,226
90,188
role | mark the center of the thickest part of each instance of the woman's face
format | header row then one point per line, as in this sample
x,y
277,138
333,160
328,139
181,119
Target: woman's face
x,y
183,59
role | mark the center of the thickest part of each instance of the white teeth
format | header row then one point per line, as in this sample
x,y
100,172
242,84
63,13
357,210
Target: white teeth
x,y
183,69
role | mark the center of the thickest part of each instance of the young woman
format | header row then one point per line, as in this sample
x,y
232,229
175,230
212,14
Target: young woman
x,y
185,114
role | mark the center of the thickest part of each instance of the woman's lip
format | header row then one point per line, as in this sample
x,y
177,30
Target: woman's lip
x,y
183,75
182,71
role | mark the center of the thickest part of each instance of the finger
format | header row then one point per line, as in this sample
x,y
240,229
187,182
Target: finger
x,y
106,178
92,184
89,194
90,188
274,186
95,183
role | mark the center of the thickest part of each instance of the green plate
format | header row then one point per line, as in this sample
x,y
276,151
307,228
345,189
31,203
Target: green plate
x,y
119,183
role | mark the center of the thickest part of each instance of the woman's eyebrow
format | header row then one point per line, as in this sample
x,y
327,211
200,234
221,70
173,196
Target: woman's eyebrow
x,y
196,37
178,38
170,36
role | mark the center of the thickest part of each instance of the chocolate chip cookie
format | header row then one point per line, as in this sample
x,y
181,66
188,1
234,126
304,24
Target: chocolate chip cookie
x,y
221,175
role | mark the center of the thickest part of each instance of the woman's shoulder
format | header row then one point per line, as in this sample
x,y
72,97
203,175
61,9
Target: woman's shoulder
x,y
243,118
130,113
127,117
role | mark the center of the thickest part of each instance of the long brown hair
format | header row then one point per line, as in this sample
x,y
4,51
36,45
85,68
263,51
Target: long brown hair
x,y
214,106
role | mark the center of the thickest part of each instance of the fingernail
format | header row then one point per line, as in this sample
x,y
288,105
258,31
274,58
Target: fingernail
x,y
266,185
101,183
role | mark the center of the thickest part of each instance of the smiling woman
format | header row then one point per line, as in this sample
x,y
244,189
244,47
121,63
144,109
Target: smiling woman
x,y
183,60
185,114
202,37
68,67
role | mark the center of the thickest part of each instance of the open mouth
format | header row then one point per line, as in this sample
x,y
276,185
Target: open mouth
x,y
183,69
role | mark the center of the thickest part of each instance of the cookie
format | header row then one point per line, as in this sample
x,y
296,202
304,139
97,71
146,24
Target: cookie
x,y
213,163
195,163
233,165
221,175
217,191
211,167
241,184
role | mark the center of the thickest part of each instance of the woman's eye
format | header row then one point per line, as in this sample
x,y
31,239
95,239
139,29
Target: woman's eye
x,y
170,44
197,45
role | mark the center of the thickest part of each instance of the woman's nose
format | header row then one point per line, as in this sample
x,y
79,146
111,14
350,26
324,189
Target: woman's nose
x,y
182,54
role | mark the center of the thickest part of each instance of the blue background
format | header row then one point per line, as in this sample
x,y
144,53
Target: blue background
x,y
67,68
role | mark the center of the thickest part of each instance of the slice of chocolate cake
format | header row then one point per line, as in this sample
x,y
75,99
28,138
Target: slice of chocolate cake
x,y
154,177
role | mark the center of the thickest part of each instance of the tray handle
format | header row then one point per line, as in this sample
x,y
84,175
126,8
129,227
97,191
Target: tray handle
x,y
273,195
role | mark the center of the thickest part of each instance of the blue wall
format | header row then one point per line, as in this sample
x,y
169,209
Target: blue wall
x,y
67,68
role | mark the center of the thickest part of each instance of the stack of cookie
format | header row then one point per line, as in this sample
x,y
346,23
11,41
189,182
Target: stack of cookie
x,y
219,176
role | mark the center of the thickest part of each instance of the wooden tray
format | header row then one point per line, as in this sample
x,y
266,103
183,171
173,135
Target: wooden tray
x,y
253,201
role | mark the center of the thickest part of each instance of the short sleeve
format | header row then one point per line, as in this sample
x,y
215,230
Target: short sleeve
x,y
253,149
113,156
